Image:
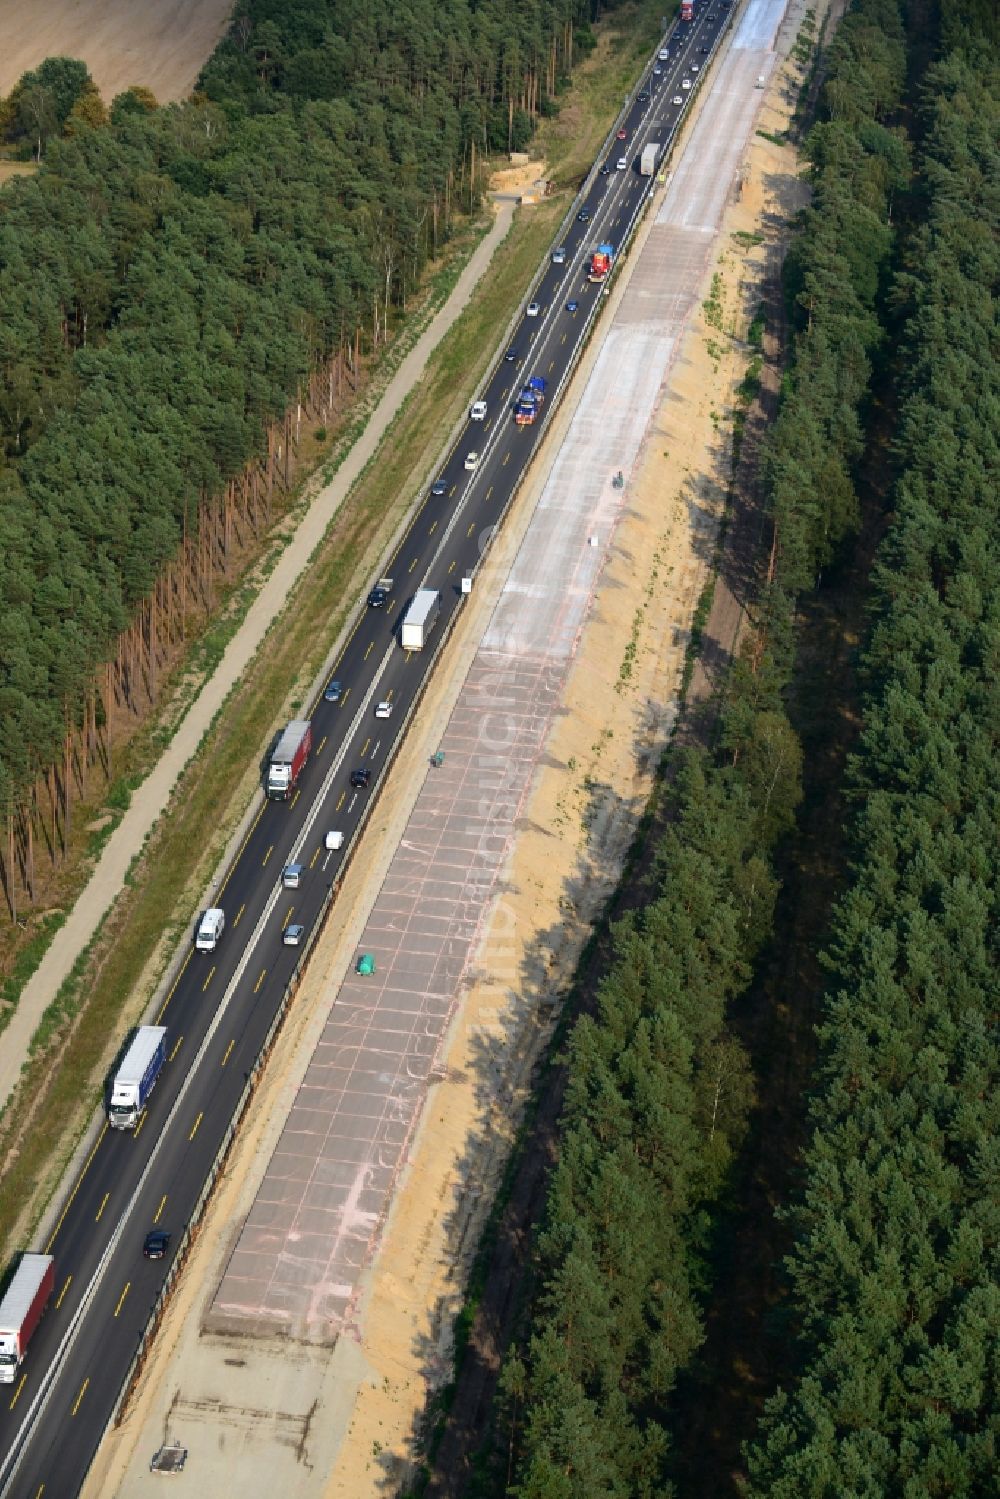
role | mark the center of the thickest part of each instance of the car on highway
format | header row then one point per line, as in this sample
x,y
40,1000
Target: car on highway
x,y
622,164
333,691
657,72
378,598
685,83
439,487
533,309
606,169
677,99
512,357
622,134
663,54
383,709
291,876
704,51
471,462
156,1244
559,255
293,934
477,411
644,96
695,66
583,217
572,306
361,778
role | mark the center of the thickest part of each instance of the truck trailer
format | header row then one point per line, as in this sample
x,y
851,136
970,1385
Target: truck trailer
x,y
687,10
136,1076
530,402
601,262
419,619
21,1310
288,759
650,156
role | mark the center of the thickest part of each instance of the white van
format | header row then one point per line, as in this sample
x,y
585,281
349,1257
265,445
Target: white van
x,y
210,929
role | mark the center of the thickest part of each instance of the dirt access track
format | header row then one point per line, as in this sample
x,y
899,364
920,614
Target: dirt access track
x,y
160,44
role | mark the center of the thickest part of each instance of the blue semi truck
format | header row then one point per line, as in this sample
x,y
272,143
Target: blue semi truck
x,y
136,1076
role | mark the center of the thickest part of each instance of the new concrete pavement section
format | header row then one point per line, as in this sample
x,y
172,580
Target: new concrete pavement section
x,y
325,1194
151,798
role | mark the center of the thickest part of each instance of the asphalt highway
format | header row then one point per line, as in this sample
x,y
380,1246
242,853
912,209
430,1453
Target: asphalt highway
x,y
222,1004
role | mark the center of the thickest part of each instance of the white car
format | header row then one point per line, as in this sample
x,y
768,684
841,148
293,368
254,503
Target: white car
x,y
383,709
677,99
622,164
471,462
664,53
559,255
695,67
477,411
685,83
533,309
657,71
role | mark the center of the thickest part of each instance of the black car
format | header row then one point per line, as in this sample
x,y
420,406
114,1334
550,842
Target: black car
x,y
583,216
644,96
155,1246
377,598
439,487
704,51
511,357
333,692
606,169
361,778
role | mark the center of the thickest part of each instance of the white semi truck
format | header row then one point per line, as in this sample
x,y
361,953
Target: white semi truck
x,y
136,1076
419,619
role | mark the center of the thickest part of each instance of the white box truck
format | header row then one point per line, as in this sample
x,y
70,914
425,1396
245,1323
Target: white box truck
x,y
419,619
650,156
136,1076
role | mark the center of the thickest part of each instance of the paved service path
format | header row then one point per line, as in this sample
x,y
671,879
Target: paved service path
x,y
150,800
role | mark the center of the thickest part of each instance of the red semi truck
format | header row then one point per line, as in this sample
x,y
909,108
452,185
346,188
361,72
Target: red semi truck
x,y
21,1310
687,10
601,262
290,755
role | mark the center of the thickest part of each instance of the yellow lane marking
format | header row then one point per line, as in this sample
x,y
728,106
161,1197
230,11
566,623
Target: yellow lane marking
x,y
298,793
451,566
260,980
552,366
343,798
366,744
270,851
195,1129
121,1299
369,650
178,1045
243,845
159,1210
315,856
490,490
319,747
69,1201
412,565
142,1119
450,493
432,529
173,986
471,529
288,917
100,1210
346,695
62,1293
209,979
225,1059
236,919
18,1391
83,1391
563,339
506,456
